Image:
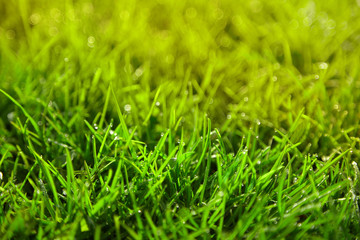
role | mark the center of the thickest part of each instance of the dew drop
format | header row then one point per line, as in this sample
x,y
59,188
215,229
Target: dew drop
x,y
91,39
323,65
139,72
11,116
127,107
35,19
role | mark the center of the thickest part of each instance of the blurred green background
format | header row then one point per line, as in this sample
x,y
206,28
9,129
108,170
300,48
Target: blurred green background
x,y
238,61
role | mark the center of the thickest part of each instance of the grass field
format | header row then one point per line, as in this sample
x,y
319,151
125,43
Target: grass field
x,y
138,119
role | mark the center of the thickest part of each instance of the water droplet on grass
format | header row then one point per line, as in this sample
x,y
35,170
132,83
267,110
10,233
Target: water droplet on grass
x,y
337,107
35,19
139,72
91,39
11,116
323,65
127,107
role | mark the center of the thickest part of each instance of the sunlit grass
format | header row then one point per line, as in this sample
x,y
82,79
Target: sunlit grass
x,y
179,119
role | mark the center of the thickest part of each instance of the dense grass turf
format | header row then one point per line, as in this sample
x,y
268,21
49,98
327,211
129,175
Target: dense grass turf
x,y
179,119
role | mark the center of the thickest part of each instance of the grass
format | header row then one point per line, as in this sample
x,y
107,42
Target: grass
x,y
179,119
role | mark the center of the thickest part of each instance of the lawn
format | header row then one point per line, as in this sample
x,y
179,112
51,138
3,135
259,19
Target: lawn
x,y
168,119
